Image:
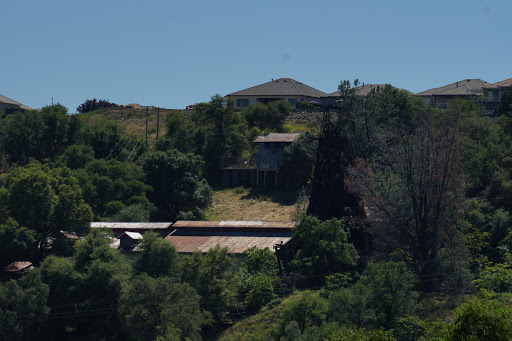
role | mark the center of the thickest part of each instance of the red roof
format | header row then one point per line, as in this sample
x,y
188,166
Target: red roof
x,y
237,236
277,137
235,244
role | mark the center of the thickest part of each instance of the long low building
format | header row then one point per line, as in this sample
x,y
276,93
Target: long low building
x,y
191,236
236,236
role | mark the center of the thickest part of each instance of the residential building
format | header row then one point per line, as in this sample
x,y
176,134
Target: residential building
x,y
493,92
264,170
8,105
279,89
466,89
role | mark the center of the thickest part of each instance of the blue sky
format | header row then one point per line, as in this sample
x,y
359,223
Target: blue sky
x,y
172,54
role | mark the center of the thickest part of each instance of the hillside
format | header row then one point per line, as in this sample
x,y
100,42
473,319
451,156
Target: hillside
x,y
132,120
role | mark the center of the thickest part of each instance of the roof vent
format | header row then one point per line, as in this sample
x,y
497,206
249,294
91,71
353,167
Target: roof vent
x,y
467,80
285,80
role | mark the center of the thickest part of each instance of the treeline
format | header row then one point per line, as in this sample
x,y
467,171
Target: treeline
x,y
435,186
101,293
61,172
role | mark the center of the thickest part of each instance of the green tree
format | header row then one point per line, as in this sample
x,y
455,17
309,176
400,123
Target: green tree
x,y
40,135
259,261
104,138
16,243
212,276
308,310
268,117
224,130
321,248
481,320
111,186
158,257
182,135
47,201
179,192
76,156
382,294
261,292
23,308
93,104
158,307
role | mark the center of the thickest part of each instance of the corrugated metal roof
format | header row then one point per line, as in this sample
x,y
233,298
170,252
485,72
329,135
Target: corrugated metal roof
x,y
133,235
18,266
233,224
235,244
277,137
131,226
281,87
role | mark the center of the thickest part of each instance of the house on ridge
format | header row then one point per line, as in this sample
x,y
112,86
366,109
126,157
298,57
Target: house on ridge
x,y
286,89
465,89
493,92
8,105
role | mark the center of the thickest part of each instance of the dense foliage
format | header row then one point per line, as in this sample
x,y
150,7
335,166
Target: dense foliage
x,y
436,186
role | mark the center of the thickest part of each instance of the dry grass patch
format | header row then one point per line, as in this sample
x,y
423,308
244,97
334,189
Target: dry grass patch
x,y
246,204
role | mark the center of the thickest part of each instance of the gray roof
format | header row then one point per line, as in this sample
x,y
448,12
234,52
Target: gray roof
x,y
7,100
281,87
464,87
131,226
363,90
277,137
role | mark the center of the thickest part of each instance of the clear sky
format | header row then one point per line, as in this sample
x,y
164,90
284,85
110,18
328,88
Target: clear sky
x,y
171,54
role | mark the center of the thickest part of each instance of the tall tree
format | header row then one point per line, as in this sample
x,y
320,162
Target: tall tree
x,y
46,201
224,130
179,192
417,214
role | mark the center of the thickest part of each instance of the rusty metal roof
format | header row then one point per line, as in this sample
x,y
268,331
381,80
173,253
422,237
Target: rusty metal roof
x,y
132,226
18,266
277,137
235,244
234,224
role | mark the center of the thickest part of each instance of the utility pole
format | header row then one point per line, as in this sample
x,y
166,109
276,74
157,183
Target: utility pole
x,y
147,115
157,122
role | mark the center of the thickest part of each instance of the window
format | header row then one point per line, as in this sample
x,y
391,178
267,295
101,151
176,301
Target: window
x,y
292,102
242,102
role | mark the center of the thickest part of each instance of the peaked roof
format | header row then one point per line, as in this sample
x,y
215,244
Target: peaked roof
x,y
7,100
363,90
280,87
460,88
503,84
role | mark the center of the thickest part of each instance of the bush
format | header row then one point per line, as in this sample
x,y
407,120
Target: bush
x,y
93,104
482,320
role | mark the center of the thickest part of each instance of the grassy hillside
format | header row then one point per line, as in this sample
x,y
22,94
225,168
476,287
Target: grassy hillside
x,y
133,121
260,326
